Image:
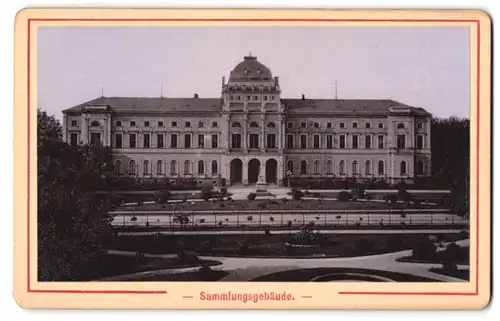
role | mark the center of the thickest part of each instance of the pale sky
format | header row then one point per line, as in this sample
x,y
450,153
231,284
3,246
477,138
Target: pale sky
x,y
420,66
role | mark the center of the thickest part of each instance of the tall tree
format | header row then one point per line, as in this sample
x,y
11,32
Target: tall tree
x,y
72,220
451,158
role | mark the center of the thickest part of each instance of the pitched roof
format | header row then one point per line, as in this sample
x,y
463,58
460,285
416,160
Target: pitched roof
x,y
214,105
347,106
152,104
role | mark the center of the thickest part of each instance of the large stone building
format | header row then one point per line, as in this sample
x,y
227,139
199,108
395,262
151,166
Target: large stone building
x,y
251,131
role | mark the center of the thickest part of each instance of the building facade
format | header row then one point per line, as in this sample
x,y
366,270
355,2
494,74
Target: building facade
x,y
251,131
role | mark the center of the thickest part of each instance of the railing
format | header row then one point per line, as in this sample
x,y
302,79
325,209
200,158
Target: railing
x,y
277,219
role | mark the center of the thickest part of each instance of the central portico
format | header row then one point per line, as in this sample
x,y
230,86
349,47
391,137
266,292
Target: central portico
x,y
246,169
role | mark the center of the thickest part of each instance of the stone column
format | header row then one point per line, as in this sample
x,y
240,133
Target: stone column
x,y
108,130
85,130
244,172
263,132
245,125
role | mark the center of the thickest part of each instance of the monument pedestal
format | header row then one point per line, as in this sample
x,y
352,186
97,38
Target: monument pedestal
x,y
261,188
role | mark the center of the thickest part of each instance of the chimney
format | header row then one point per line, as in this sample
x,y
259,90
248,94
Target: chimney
x,y
277,81
303,96
196,96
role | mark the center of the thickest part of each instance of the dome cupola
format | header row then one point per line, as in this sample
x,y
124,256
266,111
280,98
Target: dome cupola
x,y
250,69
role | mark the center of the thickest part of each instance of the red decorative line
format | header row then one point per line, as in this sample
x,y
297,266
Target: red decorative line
x,y
409,293
250,20
253,20
100,291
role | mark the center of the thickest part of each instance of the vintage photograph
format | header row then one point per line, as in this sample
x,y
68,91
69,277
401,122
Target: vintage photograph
x,y
253,154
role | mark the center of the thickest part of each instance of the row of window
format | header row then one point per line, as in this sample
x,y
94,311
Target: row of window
x,y
251,98
355,170
187,124
162,170
160,141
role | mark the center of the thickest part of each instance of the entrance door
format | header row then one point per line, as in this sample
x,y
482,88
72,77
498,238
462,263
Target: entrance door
x,y
271,171
236,171
253,171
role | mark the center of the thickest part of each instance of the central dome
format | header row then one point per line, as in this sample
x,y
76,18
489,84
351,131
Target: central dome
x,y
250,69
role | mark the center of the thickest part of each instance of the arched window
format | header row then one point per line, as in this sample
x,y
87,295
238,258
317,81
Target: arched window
x,y
187,169
355,168
381,167
401,126
118,167
329,166
132,167
420,167
303,167
215,166
145,167
173,167
159,167
316,167
253,124
368,167
289,166
95,123
201,167
403,168
236,124
271,125
342,168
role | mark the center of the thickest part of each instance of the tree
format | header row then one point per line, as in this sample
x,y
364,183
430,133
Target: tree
x,y
73,221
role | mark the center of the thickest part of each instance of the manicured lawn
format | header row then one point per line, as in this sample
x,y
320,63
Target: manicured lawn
x,y
196,276
459,274
462,257
335,245
112,265
236,205
305,275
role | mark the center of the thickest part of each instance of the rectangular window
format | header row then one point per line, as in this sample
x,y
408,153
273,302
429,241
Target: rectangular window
x,y
368,125
265,97
214,124
401,142
160,124
380,125
248,97
380,141
95,139
74,139
420,142
272,97
132,143
342,125
146,124
342,141
74,123
173,141
254,141
316,125
289,141
215,141
328,125
271,141
201,141
146,138
329,141
303,125
118,141
316,141
303,141
201,124
255,97
174,124
289,125
354,141
159,141
187,124
132,123
354,125
187,141
368,141
420,125
118,123
235,140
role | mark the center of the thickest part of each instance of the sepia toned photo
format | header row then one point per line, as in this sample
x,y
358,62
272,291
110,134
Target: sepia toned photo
x,y
265,154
